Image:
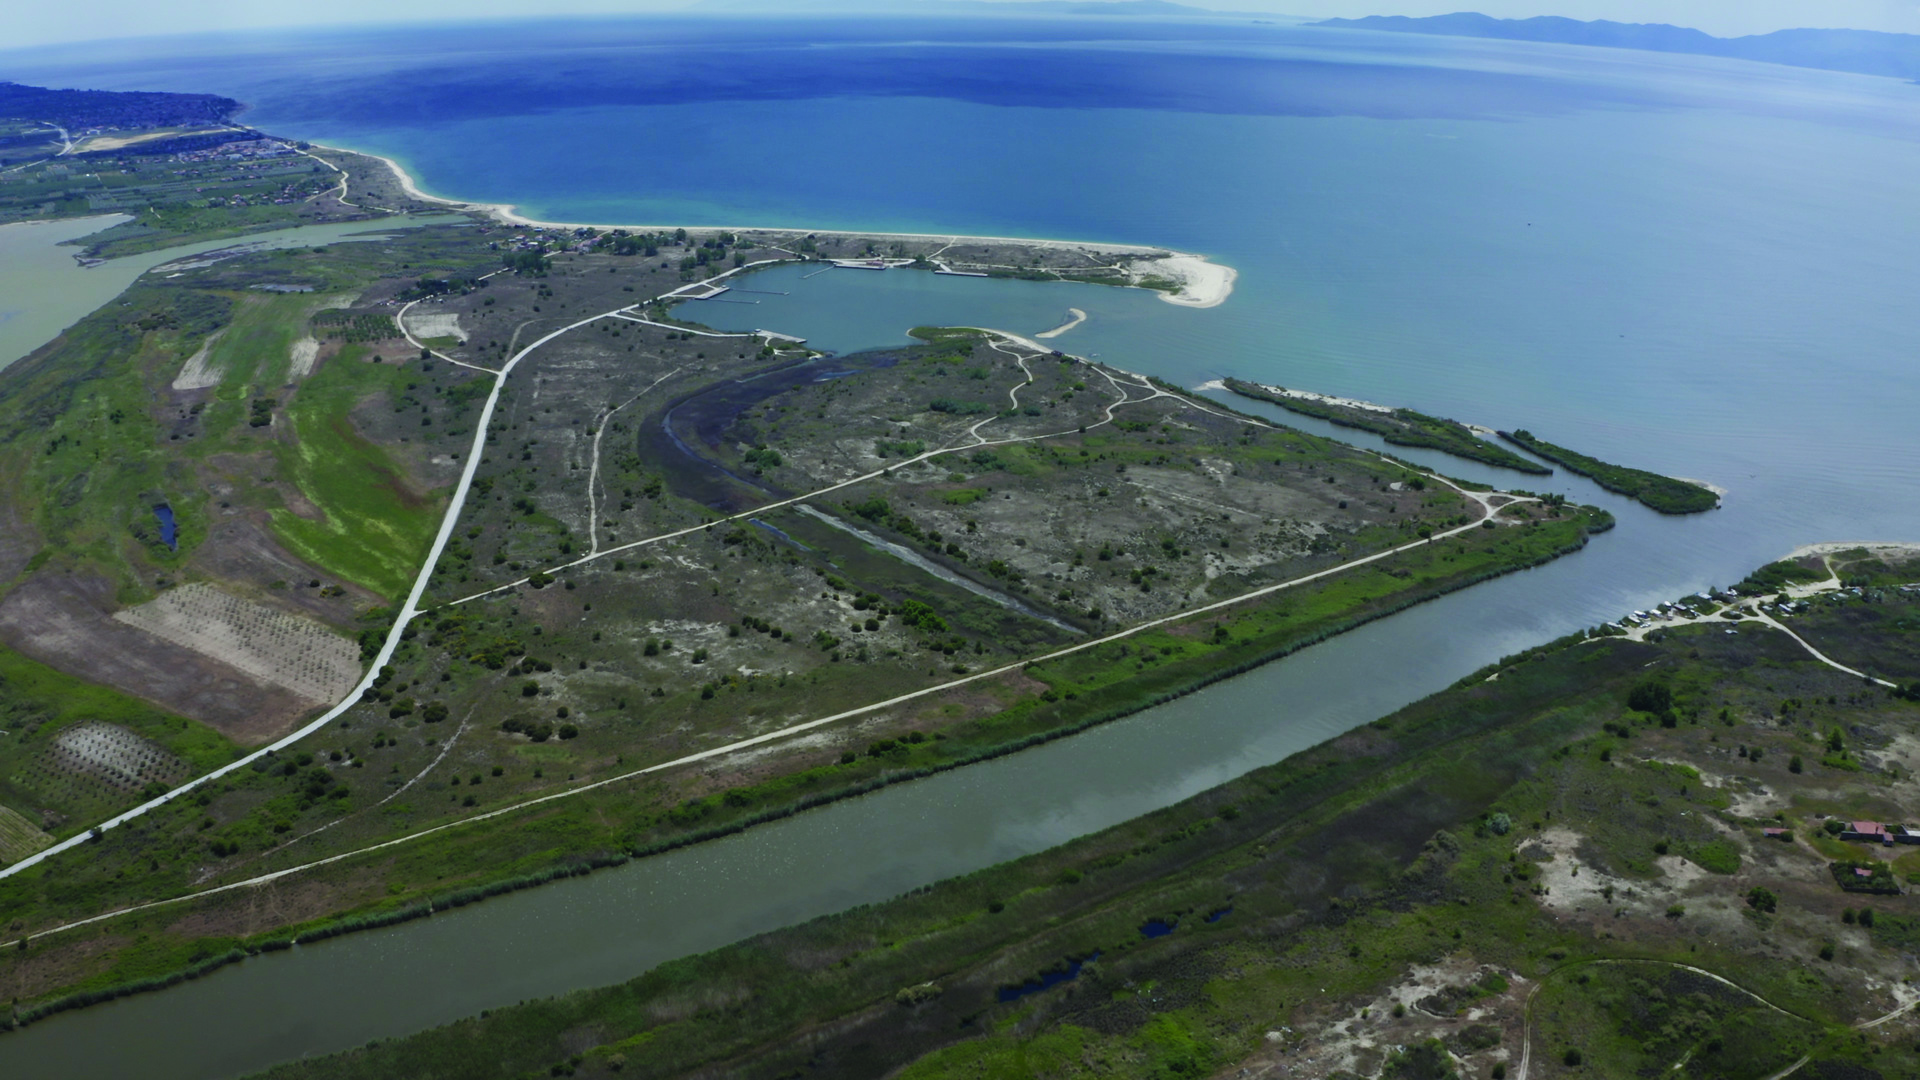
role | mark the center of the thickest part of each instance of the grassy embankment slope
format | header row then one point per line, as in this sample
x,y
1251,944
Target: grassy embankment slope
x,y
1662,493
1401,427
1540,855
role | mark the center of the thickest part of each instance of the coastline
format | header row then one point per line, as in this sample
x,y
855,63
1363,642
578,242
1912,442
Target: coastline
x,y
1203,284
1834,547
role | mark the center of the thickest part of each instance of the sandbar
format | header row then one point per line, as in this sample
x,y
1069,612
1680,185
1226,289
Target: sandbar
x,y
1202,284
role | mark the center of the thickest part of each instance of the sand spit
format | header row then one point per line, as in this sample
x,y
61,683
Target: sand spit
x,y
1325,399
1202,284
1078,317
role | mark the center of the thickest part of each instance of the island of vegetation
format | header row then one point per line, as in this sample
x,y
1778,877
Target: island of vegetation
x,y
1401,427
1662,493
480,513
1605,856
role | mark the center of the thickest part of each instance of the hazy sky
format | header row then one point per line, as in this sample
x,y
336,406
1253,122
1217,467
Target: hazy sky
x,y
25,22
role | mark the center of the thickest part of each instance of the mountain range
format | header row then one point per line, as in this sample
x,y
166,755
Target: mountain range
x,y
1866,52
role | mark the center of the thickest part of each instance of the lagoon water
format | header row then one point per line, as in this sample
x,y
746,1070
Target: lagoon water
x,y
1692,265
43,290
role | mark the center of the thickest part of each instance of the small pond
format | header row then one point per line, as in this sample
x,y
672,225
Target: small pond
x,y
169,530
1047,980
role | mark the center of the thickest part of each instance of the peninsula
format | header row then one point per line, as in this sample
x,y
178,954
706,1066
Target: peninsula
x,y
1662,493
1401,427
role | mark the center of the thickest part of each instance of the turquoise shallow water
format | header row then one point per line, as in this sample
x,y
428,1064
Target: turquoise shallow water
x,y
1678,263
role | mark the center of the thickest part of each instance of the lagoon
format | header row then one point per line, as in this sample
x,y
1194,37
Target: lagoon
x,y
43,290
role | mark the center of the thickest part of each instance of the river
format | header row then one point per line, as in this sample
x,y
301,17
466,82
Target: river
x,y
43,290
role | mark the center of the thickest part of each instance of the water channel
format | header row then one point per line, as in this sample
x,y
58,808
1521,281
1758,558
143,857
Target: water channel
x,y
43,290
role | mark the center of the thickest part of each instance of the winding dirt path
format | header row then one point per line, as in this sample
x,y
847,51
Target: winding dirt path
x,y
593,474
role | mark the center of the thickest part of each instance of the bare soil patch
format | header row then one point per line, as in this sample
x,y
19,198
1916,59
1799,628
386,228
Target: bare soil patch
x,y
274,646
65,622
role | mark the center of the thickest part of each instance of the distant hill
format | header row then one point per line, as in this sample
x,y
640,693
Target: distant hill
x,y
1866,52
955,7
114,109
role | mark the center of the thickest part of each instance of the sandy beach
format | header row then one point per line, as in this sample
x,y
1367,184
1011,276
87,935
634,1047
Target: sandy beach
x,y
1876,547
1203,284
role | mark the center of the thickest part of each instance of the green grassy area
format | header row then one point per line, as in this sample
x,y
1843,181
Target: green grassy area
x,y
37,703
376,525
1661,493
1402,427
1297,896
171,201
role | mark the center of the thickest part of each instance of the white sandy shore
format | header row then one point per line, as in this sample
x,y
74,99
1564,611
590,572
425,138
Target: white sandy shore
x,y
1715,488
1075,318
1877,547
1203,284
1326,399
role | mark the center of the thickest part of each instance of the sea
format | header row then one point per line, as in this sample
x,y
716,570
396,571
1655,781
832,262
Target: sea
x,y
1698,266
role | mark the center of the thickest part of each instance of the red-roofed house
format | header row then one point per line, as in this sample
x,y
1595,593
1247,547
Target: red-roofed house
x,y
1870,831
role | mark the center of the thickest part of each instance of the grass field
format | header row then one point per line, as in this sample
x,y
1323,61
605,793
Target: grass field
x,y
37,703
376,525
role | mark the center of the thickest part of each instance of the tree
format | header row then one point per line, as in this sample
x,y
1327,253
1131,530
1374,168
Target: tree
x,y
1760,898
1650,697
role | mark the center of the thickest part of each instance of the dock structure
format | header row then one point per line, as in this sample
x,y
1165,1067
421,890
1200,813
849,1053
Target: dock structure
x,y
870,264
772,336
699,290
